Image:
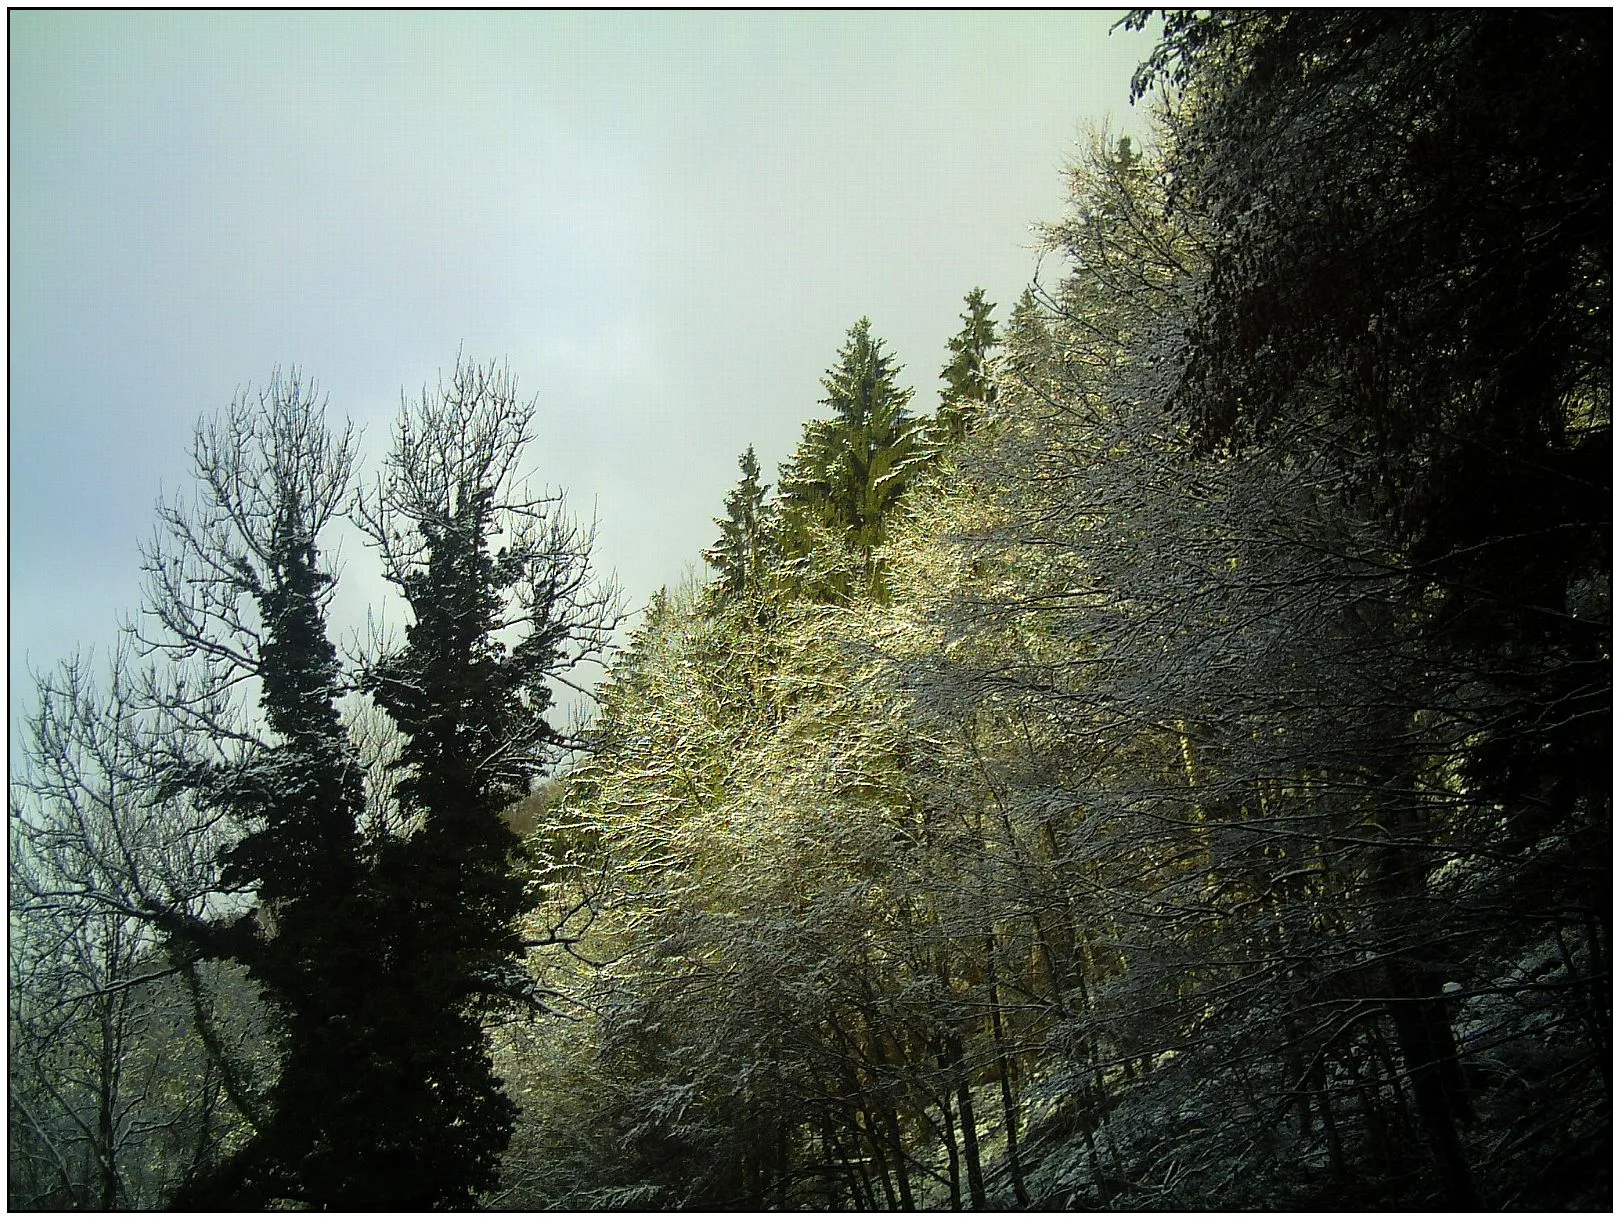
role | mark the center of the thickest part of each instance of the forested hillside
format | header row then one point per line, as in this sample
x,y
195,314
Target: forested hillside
x,y
1170,770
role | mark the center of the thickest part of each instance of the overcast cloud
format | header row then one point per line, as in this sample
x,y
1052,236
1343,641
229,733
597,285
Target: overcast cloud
x,y
665,223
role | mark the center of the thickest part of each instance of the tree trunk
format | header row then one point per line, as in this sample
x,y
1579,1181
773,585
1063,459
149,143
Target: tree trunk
x,y
874,1144
860,1189
952,1159
1430,1052
106,1092
902,1177
1009,1103
952,1059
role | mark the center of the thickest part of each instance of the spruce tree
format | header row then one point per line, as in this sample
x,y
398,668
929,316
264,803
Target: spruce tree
x,y
849,471
739,555
969,390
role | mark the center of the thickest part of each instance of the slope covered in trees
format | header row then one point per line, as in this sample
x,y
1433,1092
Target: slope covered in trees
x,y
1191,790
1170,773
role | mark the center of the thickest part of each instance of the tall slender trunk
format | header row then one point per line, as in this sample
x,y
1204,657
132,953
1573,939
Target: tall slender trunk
x,y
1422,1026
1587,1003
902,1177
1004,1068
970,1126
783,1160
860,1188
1099,1084
970,1146
1424,1036
1330,1124
1371,1118
874,1144
106,1095
952,1159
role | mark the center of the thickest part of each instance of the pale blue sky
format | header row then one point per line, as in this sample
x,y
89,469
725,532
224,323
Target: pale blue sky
x,y
665,222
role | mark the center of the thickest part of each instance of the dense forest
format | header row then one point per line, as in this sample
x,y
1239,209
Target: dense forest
x,y
1172,771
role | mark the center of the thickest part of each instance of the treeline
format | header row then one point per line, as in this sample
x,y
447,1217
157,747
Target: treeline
x,y
1174,772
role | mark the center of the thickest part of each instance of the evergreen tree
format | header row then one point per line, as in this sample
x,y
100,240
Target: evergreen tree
x,y
1028,343
969,389
739,555
849,471
1410,275
1396,195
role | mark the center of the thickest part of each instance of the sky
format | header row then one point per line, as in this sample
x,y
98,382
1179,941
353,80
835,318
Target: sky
x,y
664,223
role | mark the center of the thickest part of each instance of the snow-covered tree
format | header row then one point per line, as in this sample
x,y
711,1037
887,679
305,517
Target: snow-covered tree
x,y
121,1086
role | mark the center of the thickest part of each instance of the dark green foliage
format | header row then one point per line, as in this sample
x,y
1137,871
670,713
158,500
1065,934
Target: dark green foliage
x,y
1196,795
740,554
849,471
1395,197
1412,270
378,955
459,697
305,793
1028,339
969,389
1414,223
279,478
479,564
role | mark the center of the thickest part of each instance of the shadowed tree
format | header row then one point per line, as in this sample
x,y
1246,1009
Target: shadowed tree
x,y
1411,276
237,587
502,602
